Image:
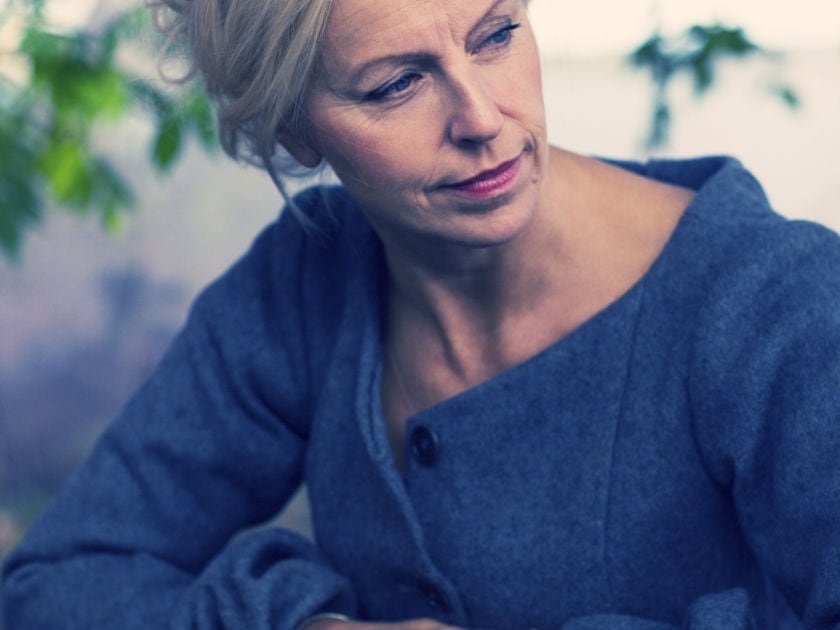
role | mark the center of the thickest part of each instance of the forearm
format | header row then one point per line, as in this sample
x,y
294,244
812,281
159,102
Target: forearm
x,y
265,580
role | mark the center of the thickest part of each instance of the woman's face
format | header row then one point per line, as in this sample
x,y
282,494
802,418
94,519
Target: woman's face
x,y
431,114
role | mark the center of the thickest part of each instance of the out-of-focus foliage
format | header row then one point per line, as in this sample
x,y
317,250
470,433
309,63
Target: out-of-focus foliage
x,y
696,52
73,85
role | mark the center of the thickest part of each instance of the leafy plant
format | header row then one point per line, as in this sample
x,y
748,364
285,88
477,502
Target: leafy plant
x,y
696,52
74,84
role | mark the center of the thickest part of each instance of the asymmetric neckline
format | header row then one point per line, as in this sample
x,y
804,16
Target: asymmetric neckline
x,y
696,208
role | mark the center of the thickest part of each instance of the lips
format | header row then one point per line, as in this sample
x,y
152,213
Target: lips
x,y
490,183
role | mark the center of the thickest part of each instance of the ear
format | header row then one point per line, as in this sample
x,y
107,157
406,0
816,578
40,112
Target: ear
x,y
297,148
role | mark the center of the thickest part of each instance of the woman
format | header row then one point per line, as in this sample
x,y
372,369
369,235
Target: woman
x,y
526,389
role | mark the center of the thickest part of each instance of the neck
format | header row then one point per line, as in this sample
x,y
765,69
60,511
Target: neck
x,y
457,317
447,283
476,309
594,233
477,291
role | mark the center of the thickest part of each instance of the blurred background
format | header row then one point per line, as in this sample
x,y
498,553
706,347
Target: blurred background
x,y
115,208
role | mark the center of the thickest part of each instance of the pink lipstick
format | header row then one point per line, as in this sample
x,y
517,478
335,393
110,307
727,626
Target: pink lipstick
x,y
491,183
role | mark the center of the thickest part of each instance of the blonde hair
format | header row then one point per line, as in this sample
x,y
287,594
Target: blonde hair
x,y
257,59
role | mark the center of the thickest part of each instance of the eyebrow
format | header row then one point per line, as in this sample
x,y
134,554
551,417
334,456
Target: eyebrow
x,y
412,57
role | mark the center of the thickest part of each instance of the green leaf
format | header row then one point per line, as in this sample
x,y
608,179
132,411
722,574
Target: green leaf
x,y
167,143
65,163
102,92
648,53
114,221
115,199
731,41
20,212
77,81
198,111
111,192
701,70
787,94
42,46
20,209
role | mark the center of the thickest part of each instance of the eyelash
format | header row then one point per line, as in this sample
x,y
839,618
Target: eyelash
x,y
391,91
501,37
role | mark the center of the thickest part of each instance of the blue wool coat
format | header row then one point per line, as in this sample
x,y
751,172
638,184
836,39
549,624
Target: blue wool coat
x,y
672,462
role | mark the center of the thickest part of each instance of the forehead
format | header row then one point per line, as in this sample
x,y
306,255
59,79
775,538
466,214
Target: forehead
x,y
360,29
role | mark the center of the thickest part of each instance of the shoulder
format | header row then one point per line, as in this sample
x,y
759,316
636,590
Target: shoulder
x,y
276,310
730,240
764,295
755,292
745,260
769,305
755,261
319,233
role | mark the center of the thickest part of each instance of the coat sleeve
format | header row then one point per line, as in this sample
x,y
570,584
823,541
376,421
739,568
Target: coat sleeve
x,y
149,531
729,610
766,391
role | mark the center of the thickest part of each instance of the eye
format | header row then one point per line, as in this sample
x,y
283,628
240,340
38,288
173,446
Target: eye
x,y
395,88
500,38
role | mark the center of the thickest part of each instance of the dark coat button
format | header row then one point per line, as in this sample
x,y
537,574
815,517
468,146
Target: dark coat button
x,y
424,445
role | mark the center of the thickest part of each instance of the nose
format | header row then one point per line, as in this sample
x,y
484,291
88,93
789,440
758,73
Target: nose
x,y
475,117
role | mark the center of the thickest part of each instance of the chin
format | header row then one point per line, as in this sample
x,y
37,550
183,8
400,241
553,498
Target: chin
x,y
491,230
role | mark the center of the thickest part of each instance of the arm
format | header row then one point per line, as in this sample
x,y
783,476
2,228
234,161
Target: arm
x,y
729,609
764,386
142,535
331,621
768,416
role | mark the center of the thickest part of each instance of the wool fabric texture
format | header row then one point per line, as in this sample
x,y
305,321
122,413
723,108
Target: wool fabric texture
x,y
672,462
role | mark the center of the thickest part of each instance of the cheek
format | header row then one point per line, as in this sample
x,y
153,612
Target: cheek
x,y
524,76
377,155
530,83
